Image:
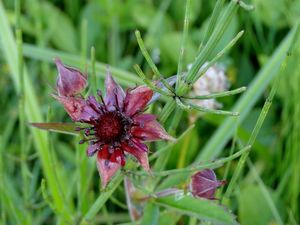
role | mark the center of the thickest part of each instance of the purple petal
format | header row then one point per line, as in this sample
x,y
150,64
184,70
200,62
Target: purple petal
x,y
137,99
69,81
139,153
106,169
77,108
150,130
113,92
92,149
141,118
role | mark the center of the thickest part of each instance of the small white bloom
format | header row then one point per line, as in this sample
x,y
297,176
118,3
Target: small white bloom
x,y
214,80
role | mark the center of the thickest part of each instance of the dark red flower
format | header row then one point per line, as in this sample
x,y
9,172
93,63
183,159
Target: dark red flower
x,y
114,125
204,184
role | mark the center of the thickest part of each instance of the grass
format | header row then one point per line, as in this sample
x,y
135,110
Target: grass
x,y
46,178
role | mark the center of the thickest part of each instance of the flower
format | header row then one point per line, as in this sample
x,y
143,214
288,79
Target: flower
x,y
204,184
214,80
115,125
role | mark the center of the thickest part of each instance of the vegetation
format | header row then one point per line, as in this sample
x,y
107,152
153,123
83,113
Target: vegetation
x,y
252,142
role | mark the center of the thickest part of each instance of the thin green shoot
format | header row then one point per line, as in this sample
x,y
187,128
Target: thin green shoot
x,y
150,61
202,70
149,82
212,22
218,94
189,106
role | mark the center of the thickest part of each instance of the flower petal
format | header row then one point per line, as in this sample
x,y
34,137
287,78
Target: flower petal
x,y
69,81
92,149
113,91
150,130
142,118
139,153
106,168
77,108
137,99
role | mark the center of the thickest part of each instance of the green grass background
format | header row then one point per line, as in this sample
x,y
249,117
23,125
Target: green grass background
x,y
46,178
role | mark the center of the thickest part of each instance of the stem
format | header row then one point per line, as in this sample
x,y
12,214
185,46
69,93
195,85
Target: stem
x,y
252,138
202,166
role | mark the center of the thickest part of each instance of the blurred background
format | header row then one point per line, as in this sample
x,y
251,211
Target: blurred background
x,y
268,190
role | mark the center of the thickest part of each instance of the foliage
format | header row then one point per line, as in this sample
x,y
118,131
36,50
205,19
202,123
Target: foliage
x,y
46,177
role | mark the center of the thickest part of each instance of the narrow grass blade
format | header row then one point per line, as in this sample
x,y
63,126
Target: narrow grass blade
x,y
32,108
183,43
47,55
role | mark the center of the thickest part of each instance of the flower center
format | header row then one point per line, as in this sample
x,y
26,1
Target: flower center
x,y
111,127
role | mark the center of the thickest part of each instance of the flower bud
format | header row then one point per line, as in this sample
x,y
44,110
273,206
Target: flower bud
x,y
204,184
69,81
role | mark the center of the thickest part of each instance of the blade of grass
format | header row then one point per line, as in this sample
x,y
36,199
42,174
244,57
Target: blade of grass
x,y
266,193
47,55
183,43
32,108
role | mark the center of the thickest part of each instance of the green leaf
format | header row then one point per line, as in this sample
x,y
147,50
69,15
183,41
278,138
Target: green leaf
x,y
252,203
201,208
66,128
151,214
